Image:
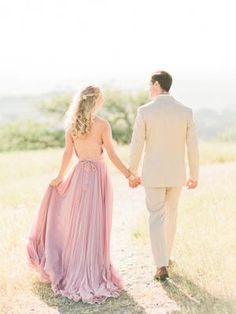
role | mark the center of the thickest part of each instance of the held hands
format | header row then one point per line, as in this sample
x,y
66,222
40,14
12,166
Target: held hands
x,y
55,182
191,184
134,181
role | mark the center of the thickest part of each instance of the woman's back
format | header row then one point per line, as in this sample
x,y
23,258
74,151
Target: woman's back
x,y
90,146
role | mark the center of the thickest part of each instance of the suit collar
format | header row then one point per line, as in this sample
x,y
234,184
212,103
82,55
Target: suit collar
x,y
162,96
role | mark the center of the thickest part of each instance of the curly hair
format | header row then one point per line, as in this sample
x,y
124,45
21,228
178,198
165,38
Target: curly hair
x,y
79,115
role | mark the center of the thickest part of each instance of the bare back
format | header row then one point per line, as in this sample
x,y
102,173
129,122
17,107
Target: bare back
x,y
91,145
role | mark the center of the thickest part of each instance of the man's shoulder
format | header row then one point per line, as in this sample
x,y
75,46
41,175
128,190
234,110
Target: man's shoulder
x,y
182,106
145,107
154,103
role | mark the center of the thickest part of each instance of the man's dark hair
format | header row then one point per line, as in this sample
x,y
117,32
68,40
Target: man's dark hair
x,y
163,78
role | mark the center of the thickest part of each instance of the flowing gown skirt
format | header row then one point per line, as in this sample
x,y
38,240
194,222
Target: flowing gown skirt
x,y
69,243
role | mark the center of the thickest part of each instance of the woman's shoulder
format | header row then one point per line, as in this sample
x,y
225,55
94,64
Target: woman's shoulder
x,y
102,122
68,130
69,133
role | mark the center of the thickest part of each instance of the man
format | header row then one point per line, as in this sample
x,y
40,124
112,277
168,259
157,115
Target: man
x,y
166,127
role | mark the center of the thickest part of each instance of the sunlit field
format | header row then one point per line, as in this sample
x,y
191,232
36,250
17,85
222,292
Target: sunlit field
x,y
205,249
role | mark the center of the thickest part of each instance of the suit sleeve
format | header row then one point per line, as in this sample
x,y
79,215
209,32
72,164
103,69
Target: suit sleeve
x,y
192,147
137,142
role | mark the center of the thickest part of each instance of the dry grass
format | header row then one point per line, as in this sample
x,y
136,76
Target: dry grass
x,y
205,248
217,152
205,243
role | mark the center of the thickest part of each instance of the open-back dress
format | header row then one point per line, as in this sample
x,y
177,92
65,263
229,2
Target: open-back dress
x,y
69,242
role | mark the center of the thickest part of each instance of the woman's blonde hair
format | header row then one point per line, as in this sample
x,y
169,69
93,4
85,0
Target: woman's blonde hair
x,y
79,115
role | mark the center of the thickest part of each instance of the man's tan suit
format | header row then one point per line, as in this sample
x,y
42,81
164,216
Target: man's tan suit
x,y
165,127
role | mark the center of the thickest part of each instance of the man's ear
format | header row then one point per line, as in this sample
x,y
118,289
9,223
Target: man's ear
x,y
156,84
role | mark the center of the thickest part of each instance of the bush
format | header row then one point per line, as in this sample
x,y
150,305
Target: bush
x,y
120,110
27,134
55,106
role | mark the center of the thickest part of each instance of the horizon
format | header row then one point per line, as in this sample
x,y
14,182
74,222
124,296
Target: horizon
x,y
198,93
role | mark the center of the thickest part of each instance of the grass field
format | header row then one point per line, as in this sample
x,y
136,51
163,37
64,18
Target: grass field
x,y
205,247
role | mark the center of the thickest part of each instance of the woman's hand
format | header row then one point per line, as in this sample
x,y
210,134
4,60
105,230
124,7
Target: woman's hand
x,y
55,182
134,181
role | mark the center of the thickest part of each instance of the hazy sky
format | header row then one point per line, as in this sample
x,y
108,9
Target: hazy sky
x,y
46,44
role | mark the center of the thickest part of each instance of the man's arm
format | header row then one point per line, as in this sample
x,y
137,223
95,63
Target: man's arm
x,y
137,142
192,148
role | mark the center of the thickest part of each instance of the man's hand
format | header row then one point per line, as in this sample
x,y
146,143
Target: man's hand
x,y
191,184
134,181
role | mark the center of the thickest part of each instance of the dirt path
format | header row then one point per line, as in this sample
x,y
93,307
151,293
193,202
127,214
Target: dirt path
x,y
143,294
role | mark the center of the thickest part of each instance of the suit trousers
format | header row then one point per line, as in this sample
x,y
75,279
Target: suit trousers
x,y
162,203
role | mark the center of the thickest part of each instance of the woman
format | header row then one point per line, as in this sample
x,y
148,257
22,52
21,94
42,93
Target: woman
x,y
70,239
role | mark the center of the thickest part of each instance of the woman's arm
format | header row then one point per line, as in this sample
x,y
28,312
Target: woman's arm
x,y
66,158
68,152
108,144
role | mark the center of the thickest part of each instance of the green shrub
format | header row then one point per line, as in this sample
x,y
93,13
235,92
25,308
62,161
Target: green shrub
x,y
28,134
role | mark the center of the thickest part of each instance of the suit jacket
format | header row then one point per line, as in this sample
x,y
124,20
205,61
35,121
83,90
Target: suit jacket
x,y
165,127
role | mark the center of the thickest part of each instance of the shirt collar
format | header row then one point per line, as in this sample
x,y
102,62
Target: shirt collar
x,y
162,95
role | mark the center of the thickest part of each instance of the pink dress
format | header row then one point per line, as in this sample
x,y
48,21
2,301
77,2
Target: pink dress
x,y
69,243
